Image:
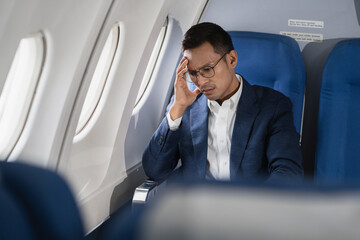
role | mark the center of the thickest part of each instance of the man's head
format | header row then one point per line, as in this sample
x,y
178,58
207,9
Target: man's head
x,y
208,32
211,61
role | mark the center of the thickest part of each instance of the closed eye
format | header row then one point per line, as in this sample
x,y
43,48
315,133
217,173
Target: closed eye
x,y
192,73
206,69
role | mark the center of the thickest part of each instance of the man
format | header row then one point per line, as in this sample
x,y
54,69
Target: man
x,y
225,129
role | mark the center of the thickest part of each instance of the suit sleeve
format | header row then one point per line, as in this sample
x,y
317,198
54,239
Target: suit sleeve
x,y
161,155
283,151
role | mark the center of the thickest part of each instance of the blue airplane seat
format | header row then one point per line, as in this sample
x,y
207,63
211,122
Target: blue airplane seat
x,y
13,222
337,157
43,200
274,61
270,60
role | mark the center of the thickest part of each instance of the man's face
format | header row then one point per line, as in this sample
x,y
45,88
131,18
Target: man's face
x,y
224,83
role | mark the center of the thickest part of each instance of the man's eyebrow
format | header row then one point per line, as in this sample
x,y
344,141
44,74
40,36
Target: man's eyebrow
x,y
205,65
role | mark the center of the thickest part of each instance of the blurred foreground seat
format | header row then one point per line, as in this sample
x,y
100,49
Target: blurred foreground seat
x,y
36,204
209,211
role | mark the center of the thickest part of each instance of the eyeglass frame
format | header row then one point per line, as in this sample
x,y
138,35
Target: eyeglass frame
x,y
191,75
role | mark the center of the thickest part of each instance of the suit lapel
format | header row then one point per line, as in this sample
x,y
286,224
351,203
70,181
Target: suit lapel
x,y
199,113
247,111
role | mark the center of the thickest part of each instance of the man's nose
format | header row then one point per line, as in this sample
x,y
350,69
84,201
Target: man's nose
x,y
201,80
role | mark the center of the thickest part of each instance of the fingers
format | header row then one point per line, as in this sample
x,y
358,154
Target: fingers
x,y
182,68
196,92
182,73
183,63
183,96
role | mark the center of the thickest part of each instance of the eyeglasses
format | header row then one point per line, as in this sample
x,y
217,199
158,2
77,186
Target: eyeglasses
x,y
206,72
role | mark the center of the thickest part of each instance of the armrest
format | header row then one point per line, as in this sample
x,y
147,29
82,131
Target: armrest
x,y
145,192
148,189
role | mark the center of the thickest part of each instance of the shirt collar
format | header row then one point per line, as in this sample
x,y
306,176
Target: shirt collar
x,y
230,103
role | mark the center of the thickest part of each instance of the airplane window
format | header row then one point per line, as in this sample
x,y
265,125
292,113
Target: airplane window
x,y
19,90
150,68
99,79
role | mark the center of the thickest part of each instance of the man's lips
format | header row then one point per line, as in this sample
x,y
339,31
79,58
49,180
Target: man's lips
x,y
207,90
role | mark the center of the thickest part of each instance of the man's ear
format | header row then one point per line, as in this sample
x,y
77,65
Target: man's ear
x,y
233,58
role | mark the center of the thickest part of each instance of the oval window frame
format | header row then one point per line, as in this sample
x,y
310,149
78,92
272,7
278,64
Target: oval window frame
x,y
19,90
155,54
99,78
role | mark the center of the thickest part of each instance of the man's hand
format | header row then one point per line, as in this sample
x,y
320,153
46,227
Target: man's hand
x,y
183,96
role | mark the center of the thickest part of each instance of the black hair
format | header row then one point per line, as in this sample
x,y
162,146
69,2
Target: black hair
x,y
208,32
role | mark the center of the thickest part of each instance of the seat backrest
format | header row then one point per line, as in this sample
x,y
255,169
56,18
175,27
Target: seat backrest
x,y
209,211
43,199
274,61
337,155
14,224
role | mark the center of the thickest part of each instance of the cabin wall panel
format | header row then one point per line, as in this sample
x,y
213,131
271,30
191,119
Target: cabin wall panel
x,y
94,161
98,163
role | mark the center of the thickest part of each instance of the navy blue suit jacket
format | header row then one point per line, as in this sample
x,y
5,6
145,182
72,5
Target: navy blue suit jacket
x,y
264,143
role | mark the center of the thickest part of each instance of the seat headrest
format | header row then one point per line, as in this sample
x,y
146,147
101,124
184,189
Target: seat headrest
x,y
273,61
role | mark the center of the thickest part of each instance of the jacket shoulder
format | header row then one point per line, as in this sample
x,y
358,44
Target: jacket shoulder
x,y
269,95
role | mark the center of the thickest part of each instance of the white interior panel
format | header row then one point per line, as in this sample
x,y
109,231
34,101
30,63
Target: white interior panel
x,y
273,16
70,31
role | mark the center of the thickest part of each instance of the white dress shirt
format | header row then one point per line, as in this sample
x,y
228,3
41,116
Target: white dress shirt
x,y
220,128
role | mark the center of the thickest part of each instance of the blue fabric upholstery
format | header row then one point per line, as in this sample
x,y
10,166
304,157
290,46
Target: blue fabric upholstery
x,y
41,198
14,224
273,61
338,144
